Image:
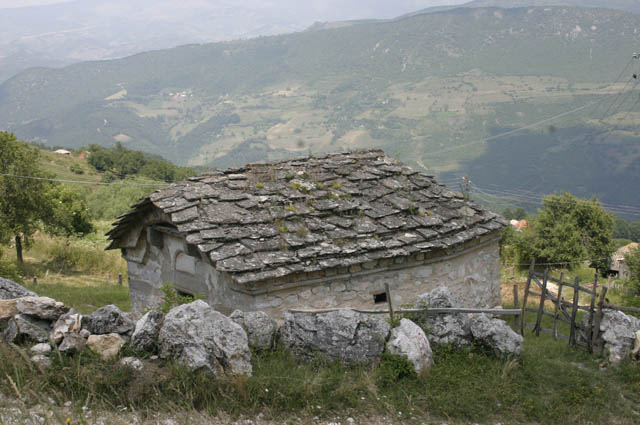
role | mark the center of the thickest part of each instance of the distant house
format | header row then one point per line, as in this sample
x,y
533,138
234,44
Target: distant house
x,y
323,231
618,267
62,152
519,225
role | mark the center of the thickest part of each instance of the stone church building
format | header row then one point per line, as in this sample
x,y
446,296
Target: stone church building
x,y
318,232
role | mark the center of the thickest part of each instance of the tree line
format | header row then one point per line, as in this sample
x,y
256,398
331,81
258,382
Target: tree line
x,y
118,162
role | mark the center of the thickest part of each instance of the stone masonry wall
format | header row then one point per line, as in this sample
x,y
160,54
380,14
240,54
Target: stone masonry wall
x,y
473,276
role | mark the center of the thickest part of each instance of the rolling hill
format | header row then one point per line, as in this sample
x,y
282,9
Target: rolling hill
x,y
418,87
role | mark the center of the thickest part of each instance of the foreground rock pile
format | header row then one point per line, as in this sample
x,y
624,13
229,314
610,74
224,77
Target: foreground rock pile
x,y
204,339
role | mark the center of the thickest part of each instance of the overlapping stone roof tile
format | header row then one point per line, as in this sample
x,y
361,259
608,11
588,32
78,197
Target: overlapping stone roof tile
x,y
265,221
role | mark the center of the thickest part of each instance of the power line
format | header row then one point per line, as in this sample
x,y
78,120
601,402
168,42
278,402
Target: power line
x,y
84,181
517,130
537,200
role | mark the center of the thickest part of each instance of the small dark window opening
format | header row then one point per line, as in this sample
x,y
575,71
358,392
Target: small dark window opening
x,y
183,294
157,238
192,250
380,298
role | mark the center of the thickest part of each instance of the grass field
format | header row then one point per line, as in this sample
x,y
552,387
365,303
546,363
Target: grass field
x,y
549,384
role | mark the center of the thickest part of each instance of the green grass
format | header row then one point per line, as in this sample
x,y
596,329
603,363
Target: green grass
x,y
549,384
77,272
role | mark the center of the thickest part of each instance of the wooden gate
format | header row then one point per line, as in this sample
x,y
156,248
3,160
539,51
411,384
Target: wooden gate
x,y
550,290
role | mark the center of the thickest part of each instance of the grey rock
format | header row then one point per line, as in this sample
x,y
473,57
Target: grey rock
x,y
25,328
84,333
410,341
10,290
70,322
204,339
43,308
43,348
496,334
72,343
41,360
106,320
132,362
261,329
145,335
107,346
444,329
618,334
344,335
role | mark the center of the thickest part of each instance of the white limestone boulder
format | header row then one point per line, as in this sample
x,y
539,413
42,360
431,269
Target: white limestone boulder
x,y
132,362
444,329
43,308
11,290
495,334
106,320
41,360
145,334
43,348
410,341
204,339
70,322
343,335
107,346
618,333
261,329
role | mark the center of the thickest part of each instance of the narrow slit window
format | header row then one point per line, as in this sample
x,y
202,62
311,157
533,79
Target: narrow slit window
x,y
380,298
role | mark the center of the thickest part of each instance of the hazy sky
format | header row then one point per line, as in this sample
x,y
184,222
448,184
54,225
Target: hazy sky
x,y
23,3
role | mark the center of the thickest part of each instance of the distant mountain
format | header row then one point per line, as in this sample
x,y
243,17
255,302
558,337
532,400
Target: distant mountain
x,y
82,30
418,87
626,5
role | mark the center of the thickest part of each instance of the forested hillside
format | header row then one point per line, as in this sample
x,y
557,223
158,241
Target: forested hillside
x,y
418,87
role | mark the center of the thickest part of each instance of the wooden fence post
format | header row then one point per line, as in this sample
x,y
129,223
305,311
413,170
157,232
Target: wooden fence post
x,y
543,296
388,291
576,299
558,302
591,308
598,319
516,319
524,298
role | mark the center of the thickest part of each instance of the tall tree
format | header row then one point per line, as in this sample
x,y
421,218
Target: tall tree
x,y
569,229
23,202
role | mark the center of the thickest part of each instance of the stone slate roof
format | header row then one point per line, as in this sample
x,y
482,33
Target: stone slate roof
x,y
265,221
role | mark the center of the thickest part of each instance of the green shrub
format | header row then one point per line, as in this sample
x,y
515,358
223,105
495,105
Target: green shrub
x,y
393,368
9,270
171,298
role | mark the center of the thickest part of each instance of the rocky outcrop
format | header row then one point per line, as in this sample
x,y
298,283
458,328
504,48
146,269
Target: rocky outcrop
x,y
10,290
25,328
145,335
202,338
261,329
343,335
107,346
106,320
496,334
444,329
42,308
410,341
